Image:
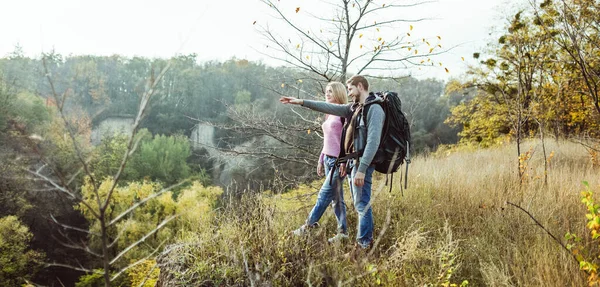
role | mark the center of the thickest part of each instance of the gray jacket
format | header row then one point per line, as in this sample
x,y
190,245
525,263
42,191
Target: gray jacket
x,y
375,120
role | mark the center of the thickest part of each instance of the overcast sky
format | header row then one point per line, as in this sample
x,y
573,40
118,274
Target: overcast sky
x,y
215,30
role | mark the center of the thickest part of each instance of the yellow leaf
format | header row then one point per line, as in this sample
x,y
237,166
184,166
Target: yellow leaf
x,y
427,43
307,57
439,38
361,46
447,71
298,46
377,29
440,46
297,9
423,40
440,64
330,44
416,51
430,50
408,34
282,85
422,61
409,48
379,39
411,27
360,36
308,131
463,58
428,59
383,5
299,80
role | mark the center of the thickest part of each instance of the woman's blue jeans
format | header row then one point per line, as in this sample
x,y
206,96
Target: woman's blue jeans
x,y
330,193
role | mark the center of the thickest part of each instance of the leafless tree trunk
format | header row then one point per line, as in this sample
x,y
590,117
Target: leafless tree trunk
x,y
99,206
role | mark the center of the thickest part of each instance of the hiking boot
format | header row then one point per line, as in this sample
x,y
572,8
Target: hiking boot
x,y
304,229
338,238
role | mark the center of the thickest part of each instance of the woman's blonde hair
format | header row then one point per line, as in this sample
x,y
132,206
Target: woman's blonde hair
x,y
339,92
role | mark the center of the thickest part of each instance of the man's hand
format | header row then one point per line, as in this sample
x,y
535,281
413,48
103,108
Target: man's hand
x,y
320,169
359,179
291,100
342,169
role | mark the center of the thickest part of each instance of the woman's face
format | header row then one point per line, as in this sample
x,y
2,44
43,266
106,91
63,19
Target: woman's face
x,y
329,95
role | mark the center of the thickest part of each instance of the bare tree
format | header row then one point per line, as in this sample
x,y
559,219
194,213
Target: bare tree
x,y
99,205
367,37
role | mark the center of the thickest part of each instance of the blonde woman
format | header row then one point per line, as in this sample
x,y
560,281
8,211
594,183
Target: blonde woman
x,y
335,93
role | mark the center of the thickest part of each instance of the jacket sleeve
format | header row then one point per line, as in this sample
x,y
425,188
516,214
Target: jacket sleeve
x,y
331,109
375,120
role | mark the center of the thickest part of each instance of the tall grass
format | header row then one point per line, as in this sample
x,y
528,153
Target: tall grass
x,y
451,225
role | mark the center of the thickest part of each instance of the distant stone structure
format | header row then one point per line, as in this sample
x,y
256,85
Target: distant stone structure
x,y
112,125
224,163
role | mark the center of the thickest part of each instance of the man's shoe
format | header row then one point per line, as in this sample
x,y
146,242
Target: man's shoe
x,y
304,229
338,238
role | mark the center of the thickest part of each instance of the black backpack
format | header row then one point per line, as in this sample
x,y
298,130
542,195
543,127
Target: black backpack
x,y
394,146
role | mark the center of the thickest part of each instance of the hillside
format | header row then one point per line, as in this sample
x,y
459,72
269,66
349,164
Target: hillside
x,y
451,226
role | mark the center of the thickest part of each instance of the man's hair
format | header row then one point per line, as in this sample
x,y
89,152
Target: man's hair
x,y
358,79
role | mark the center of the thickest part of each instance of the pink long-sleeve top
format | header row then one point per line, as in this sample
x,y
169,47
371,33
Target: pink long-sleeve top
x,y
332,134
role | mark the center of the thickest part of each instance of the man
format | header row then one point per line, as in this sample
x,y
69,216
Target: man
x,y
362,139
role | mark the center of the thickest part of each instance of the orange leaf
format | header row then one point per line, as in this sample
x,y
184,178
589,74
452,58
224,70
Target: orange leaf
x,y
447,71
297,9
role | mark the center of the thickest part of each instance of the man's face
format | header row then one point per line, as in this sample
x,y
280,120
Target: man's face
x,y
353,91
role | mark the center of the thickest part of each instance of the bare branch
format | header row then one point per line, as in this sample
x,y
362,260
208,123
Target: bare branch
x,y
81,268
130,145
137,263
72,227
163,223
133,207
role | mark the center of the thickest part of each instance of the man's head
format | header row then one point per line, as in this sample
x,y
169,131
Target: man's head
x,y
357,85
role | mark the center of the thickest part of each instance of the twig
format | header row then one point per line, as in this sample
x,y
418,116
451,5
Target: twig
x,y
544,228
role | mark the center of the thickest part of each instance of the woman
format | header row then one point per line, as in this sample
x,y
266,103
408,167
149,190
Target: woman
x,y
335,93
